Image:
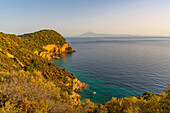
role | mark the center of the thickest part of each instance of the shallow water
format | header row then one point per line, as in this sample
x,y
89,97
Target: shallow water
x,y
118,67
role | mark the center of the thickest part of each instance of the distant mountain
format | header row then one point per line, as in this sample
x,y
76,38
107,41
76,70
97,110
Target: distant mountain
x,y
92,34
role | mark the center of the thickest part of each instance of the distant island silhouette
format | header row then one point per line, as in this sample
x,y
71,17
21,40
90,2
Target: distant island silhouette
x,y
93,34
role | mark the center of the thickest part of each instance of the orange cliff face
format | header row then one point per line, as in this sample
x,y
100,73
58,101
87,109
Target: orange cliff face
x,y
52,50
76,86
66,48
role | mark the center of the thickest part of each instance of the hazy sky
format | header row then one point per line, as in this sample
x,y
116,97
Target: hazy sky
x,y
73,17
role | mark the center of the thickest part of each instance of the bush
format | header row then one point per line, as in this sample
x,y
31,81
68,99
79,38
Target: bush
x,y
30,92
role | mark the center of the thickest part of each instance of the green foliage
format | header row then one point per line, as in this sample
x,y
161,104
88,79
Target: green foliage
x,y
147,103
64,69
147,95
29,68
23,49
45,37
30,92
168,92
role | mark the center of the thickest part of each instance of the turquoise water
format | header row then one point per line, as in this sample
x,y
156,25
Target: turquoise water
x,y
118,67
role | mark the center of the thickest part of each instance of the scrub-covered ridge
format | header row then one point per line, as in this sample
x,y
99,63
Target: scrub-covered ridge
x,y
19,53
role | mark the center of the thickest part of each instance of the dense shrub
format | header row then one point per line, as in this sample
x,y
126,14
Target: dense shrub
x,y
24,91
45,37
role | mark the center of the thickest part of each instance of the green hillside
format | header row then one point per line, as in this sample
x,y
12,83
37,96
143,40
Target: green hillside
x,y
45,37
30,83
23,50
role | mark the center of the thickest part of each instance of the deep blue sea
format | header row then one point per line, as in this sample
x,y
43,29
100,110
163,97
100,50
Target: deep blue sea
x,y
118,67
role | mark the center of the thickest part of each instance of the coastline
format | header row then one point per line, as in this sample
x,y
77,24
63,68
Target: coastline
x,y
51,53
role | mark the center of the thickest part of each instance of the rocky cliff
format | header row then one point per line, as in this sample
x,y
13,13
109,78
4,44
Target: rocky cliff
x,y
76,86
52,50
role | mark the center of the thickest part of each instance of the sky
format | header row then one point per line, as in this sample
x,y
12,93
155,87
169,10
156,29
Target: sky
x,y
74,17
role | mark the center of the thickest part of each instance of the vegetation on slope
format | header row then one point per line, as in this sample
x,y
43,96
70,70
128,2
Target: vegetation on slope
x,y
17,53
31,92
23,50
147,103
31,83
45,37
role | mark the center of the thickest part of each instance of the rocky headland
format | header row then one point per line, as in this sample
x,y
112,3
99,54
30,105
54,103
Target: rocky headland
x,y
22,53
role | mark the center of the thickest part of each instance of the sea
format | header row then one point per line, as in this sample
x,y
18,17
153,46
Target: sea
x,y
118,66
